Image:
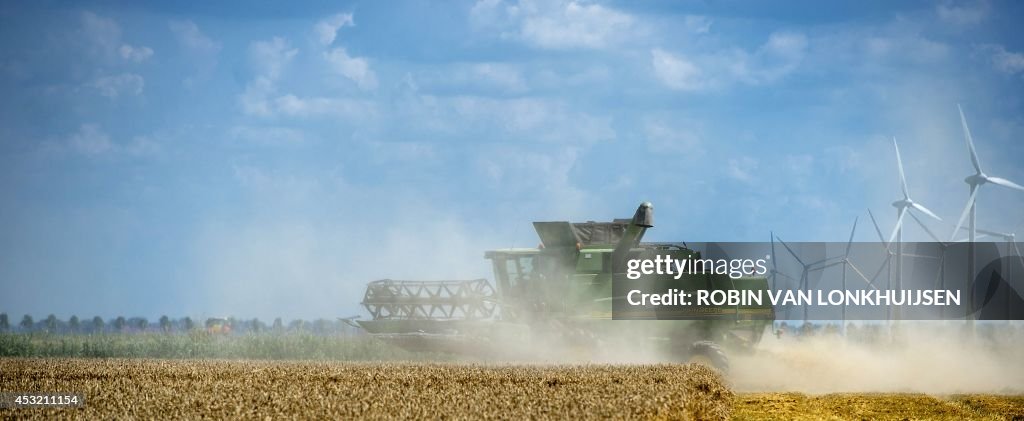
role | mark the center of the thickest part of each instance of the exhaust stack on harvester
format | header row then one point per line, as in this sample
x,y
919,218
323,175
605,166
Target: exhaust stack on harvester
x,y
642,220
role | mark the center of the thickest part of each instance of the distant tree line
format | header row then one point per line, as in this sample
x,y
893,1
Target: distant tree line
x,y
218,325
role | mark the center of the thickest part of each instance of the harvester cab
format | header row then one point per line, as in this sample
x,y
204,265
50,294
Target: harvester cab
x,y
570,274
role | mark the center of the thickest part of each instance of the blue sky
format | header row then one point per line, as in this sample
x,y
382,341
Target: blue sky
x,y
258,159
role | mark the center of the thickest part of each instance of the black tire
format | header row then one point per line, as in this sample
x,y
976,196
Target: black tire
x,y
711,353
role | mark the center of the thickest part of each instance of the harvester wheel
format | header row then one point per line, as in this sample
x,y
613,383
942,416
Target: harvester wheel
x,y
710,354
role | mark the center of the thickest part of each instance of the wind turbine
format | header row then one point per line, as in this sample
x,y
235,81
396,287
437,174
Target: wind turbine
x,y
903,206
774,273
845,261
976,180
886,264
805,272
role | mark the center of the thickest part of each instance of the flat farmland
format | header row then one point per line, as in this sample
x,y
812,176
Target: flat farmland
x,y
188,389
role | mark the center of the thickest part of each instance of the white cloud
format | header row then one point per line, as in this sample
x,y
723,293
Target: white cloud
x,y
104,38
271,57
523,120
258,100
268,59
786,45
1004,61
697,24
136,54
356,69
506,76
776,58
474,77
403,151
91,140
291,105
914,47
899,46
558,25
254,99
535,176
801,164
676,72
962,14
576,25
189,36
489,14
663,137
742,168
845,158
103,33
274,135
531,118
287,185
327,30
142,146
779,56
117,85
201,50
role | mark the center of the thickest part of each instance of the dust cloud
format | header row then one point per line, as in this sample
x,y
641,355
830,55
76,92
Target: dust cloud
x,y
923,357
933,358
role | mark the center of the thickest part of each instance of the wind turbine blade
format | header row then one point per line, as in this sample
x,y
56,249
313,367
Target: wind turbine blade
x,y
992,233
775,266
792,253
859,273
899,224
930,233
970,141
786,276
976,237
827,259
967,209
789,283
987,232
921,208
899,163
823,267
1005,183
877,230
850,242
884,265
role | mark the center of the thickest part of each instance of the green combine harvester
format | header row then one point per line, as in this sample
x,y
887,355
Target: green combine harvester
x,y
555,303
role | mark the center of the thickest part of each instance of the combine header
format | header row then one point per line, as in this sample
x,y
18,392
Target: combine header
x,y
390,300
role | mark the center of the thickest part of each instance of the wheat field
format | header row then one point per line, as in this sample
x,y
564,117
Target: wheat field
x,y
189,389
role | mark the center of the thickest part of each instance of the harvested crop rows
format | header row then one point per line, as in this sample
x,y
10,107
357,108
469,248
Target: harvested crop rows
x,y
191,389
